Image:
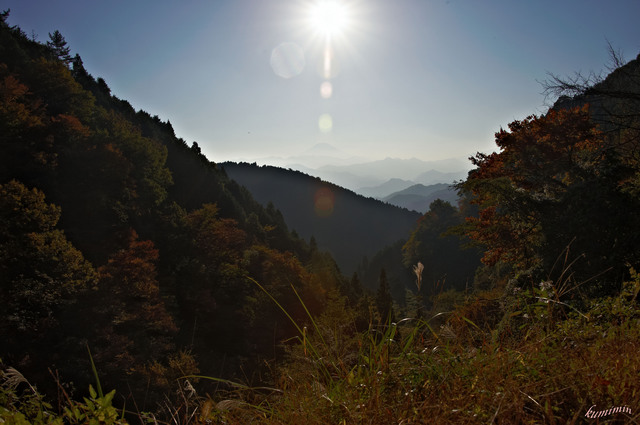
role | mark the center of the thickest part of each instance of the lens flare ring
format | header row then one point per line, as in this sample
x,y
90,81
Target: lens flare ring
x,y
325,123
287,60
324,202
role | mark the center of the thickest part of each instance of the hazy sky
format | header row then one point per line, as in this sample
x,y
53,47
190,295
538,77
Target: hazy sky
x,y
430,79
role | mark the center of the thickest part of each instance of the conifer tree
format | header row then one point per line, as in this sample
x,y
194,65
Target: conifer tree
x,y
4,15
355,287
59,47
384,301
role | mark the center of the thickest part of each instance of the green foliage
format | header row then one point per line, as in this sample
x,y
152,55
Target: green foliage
x,y
28,406
145,159
398,275
53,82
172,300
552,372
40,270
561,363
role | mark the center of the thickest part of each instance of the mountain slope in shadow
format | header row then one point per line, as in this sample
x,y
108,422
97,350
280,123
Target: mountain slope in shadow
x,y
347,225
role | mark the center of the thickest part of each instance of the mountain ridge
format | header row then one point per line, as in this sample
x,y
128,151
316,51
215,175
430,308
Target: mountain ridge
x,y
419,197
331,164
339,219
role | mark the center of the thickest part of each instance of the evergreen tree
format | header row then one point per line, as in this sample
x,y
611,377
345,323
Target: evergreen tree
x,y
313,244
79,72
384,301
59,47
103,86
3,16
355,287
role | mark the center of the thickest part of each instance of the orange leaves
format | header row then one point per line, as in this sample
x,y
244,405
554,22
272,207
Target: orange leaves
x,y
538,152
277,270
217,239
17,109
133,269
130,277
68,126
539,158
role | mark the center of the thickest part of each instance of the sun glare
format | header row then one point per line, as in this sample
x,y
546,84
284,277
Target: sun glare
x,y
329,17
330,22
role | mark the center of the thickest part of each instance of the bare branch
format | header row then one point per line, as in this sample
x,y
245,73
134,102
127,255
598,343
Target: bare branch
x,y
616,58
579,84
576,85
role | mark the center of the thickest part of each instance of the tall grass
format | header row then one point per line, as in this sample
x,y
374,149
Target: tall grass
x,y
510,359
531,366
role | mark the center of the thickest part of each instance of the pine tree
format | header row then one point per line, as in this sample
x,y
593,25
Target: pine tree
x,y
59,47
4,15
384,302
356,289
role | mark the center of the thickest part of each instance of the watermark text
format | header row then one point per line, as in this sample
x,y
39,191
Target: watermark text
x,y
601,413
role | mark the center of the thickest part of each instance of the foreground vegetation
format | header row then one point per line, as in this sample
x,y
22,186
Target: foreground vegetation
x,y
508,355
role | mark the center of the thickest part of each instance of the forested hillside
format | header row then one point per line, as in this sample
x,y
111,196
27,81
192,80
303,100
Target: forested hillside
x,y
342,222
365,235
117,236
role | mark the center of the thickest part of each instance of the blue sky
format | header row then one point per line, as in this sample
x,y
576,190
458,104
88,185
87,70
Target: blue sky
x,y
430,79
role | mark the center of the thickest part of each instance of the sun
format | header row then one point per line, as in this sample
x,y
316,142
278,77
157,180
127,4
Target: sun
x,y
329,17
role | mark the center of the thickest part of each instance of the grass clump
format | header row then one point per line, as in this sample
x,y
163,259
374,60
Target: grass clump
x,y
524,356
22,404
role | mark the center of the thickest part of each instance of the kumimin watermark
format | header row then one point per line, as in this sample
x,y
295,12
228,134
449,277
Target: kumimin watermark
x,y
602,413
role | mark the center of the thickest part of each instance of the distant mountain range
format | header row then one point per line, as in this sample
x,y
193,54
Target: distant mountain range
x,y
385,179
319,155
419,197
365,176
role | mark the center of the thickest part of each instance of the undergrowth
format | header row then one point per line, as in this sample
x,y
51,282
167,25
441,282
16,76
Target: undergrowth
x,y
518,355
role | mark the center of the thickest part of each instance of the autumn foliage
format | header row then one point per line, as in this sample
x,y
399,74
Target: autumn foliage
x,y
552,186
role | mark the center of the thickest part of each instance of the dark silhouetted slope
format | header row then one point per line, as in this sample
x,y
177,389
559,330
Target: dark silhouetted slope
x,y
347,225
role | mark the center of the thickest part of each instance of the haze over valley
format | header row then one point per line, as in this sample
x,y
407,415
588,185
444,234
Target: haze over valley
x,y
371,178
